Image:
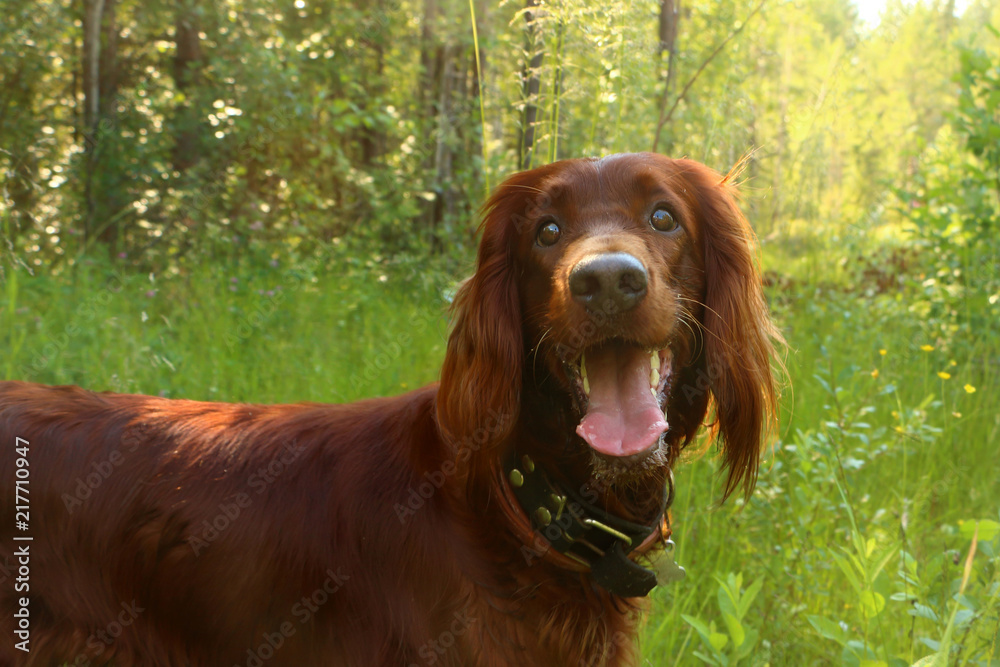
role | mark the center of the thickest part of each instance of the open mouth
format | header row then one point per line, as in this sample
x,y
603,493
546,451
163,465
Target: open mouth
x,y
619,389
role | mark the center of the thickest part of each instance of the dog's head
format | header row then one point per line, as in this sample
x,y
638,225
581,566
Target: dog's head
x,y
623,295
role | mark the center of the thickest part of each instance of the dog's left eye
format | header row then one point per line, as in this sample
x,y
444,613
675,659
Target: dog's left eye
x,y
662,220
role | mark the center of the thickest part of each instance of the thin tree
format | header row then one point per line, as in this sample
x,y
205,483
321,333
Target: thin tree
x,y
667,115
530,83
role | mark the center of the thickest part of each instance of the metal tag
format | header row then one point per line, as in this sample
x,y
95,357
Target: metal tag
x,y
666,568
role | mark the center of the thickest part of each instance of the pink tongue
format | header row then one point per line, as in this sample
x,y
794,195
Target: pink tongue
x,y
623,417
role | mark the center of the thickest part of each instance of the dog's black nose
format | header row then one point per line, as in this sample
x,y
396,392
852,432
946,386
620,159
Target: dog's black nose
x,y
610,283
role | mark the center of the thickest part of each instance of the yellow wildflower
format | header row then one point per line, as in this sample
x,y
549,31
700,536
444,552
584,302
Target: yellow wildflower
x,y
875,373
883,352
969,389
943,375
927,348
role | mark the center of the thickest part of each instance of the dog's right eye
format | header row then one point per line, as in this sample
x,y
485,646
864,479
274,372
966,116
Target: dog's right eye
x,y
548,234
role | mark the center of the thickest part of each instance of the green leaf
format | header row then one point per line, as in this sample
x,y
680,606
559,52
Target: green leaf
x,y
881,561
699,625
823,383
963,617
932,644
828,629
735,628
727,597
987,529
717,640
872,603
707,659
932,660
748,597
923,611
748,646
849,572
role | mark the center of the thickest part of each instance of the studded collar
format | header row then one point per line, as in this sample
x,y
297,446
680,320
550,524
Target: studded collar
x,y
585,533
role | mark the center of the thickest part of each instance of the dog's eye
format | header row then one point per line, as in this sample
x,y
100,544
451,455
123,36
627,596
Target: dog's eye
x,y
662,221
548,234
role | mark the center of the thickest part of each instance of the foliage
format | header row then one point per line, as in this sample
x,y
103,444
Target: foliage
x,y
954,208
214,331
738,643
864,515
320,119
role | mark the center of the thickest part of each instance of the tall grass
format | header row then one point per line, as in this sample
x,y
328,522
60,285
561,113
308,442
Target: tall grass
x,y
865,508
230,332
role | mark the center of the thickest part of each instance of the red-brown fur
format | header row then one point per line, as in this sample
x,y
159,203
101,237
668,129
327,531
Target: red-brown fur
x,y
459,580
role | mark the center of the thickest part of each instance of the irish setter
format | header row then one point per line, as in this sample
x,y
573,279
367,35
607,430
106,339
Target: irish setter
x,y
503,517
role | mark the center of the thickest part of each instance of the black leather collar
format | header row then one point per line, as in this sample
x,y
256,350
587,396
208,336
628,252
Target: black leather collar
x,y
583,532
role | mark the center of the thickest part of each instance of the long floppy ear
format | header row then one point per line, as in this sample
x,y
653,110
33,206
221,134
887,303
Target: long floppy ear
x,y
739,335
479,396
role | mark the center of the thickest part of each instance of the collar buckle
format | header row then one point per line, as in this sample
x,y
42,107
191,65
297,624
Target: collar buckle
x,y
587,534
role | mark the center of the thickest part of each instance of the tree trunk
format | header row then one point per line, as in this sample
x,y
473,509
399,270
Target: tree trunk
x,y
100,83
188,64
17,110
778,184
112,203
373,138
443,153
427,51
93,11
531,84
670,16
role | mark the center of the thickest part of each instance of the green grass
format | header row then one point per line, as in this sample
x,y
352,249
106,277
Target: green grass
x,y
901,457
231,333
857,535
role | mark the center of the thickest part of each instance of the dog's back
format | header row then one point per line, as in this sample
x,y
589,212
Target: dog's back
x,y
218,532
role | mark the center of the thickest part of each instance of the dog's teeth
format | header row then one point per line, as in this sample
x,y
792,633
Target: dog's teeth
x,y
652,390
654,360
654,377
583,374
